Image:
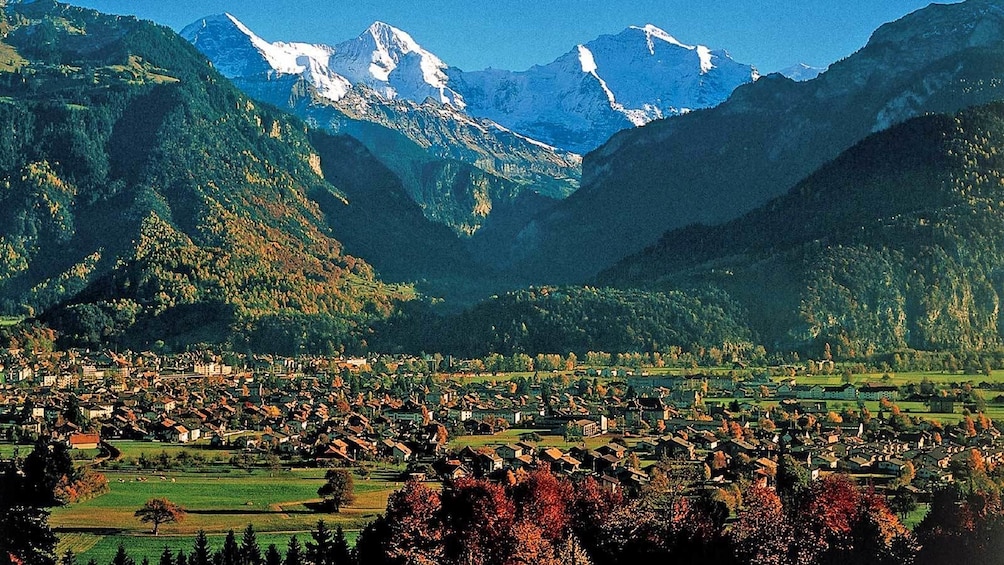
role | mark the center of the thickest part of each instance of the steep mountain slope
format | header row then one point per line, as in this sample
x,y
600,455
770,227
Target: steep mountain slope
x,y
505,126
598,88
389,61
894,244
144,198
713,165
457,168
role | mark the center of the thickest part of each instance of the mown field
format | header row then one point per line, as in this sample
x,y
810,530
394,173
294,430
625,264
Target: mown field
x,y
132,450
912,409
277,504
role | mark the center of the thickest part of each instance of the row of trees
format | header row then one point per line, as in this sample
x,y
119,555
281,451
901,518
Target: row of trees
x,y
325,547
539,518
542,519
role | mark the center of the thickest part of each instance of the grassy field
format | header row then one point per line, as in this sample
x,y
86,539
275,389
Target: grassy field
x,y
914,518
912,409
8,320
276,504
133,449
7,450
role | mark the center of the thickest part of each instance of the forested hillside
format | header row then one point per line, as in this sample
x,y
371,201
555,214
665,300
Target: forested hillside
x,y
894,244
144,198
576,319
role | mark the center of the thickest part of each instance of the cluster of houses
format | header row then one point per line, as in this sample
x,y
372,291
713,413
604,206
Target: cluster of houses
x,y
315,411
880,458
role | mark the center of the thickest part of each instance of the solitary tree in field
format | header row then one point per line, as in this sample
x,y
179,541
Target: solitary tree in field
x,y
160,511
337,489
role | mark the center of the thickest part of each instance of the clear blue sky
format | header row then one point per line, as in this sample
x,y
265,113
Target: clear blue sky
x,y
515,34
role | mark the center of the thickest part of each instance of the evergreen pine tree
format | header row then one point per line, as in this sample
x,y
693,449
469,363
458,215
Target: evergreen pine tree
x,y
371,543
181,559
319,551
167,558
121,557
231,552
294,552
68,558
250,551
272,555
340,552
201,553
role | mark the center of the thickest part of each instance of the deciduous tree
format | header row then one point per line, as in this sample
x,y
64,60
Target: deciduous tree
x,y
160,511
337,489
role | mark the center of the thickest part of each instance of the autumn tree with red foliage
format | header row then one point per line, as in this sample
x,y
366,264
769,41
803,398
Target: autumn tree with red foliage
x,y
415,530
832,522
159,511
537,518
479,517
543,500
762,533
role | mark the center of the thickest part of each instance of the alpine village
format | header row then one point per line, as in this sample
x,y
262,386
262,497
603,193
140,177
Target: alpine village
x,y
280,303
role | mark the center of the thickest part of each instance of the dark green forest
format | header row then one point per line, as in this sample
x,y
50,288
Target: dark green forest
x,y
575,319
895,244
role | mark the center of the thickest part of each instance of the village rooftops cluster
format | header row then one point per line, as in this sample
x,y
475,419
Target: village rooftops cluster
x,y
340,412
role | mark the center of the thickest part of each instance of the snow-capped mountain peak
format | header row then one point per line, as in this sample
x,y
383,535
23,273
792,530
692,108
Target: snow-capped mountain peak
x,y
391,62
575,102
654,34
586,59
236,51
392,41
802,72
610,83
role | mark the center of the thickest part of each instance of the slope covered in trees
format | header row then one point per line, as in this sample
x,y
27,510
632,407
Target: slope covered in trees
x,y
893,244
714,165
571,319
142,197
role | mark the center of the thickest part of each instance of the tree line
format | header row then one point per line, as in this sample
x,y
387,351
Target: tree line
x,y
324,547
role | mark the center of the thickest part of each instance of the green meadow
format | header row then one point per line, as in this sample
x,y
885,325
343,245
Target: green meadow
x,y
277,504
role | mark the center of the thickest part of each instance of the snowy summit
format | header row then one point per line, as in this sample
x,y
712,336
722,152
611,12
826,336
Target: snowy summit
x,y
575,102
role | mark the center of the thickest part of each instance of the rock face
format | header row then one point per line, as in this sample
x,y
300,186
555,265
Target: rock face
x,y
391,63
515,132
714,165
